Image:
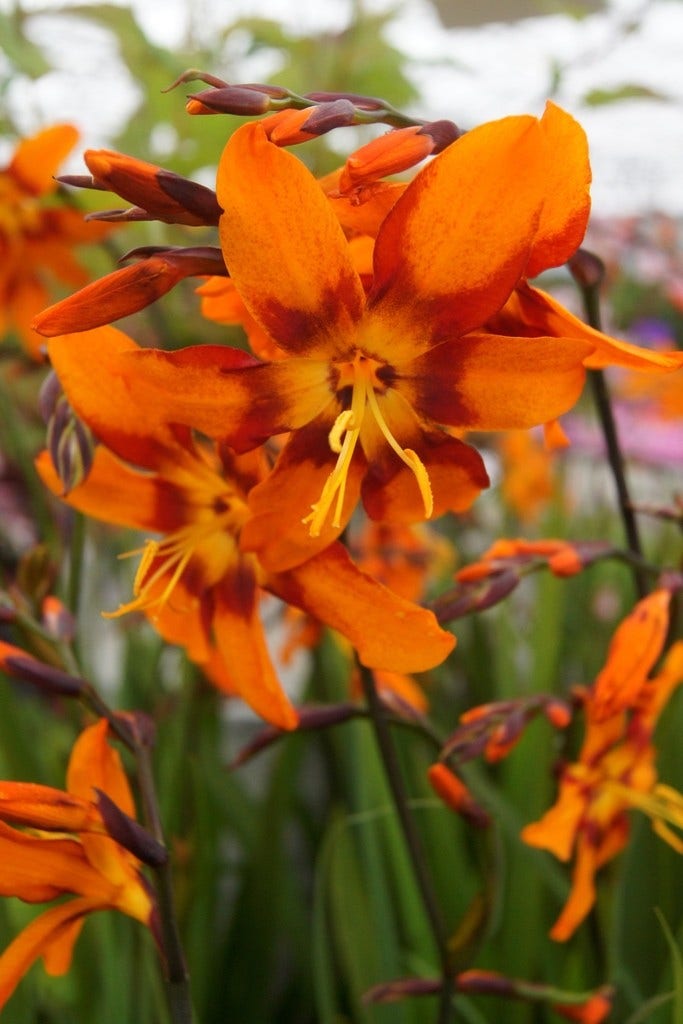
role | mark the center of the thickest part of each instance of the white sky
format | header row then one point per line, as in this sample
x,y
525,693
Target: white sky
x,y
468,75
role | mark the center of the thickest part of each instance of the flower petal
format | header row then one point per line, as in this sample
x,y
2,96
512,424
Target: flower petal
x,y
455,244
567,205
279,505
94,764
488,382
532,312
240,639
390,489
284,247
36,159
125,394
51,935
386,630
116,493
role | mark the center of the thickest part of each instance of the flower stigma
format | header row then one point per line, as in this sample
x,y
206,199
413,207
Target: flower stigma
x,y
361,375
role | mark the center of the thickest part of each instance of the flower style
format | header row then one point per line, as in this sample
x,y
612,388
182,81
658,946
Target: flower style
x,y
615,772
196,584
37,237
68,849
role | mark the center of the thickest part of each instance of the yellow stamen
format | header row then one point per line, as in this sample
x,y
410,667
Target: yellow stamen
x,y
343,438
663,805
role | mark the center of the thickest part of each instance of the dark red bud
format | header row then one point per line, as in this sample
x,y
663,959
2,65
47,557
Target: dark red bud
x,y
328,116
46,677
586,268
129,834
442,132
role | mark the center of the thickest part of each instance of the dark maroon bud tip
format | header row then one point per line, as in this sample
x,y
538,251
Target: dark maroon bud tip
x,y
129,834
46,677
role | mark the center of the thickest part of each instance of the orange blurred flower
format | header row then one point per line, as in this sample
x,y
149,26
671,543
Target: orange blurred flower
x,y
527,482
197,585
615,772
68,849
37,235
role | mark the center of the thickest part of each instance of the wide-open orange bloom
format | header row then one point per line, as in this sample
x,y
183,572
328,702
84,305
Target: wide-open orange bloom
x,y
196,583
37,236
370,380
615,772
67,849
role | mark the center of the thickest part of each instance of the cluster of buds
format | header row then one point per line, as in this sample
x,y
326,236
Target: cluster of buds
x,y
492,730
500,570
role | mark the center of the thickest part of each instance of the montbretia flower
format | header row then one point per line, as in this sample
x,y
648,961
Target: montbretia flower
x,y
67,848
196,583
615,773
37,235
371,381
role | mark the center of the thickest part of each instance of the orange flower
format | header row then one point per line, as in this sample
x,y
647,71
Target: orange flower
x,y
368,381
81,859
527,481
615,772
37,237
635,647
196,584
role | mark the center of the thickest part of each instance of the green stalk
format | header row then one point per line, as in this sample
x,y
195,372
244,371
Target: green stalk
x,y
387,750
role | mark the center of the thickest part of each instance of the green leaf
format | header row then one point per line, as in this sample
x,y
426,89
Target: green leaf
x,y
628,91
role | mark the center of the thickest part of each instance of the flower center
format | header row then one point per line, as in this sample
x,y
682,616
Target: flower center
x,y
199,552
19,213
361,374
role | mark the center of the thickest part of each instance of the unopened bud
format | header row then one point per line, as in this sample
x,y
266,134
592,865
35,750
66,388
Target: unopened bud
x,y
233,99
474,596
71,445
129,834
328,116
58,620
586,268
21,665
442,133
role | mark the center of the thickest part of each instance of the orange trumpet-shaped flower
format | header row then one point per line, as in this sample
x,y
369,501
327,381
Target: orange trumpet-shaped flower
x,y
82,859
196,583
615,773
37,237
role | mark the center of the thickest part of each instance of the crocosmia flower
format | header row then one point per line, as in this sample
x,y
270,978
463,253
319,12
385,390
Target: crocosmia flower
x,y
64,847
374,382
37,235
197,585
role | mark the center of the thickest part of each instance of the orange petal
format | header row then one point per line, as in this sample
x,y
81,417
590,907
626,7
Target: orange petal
x,y
196,386
279,505
567,204
390,490
488,382
456,243
42,807
36,869
582,896
284,247
118,494
557,829
95,764
240,639
36,160
532,312
387,631
51,935
635,647
124,401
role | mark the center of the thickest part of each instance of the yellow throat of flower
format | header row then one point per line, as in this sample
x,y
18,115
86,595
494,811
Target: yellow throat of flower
x,y
199,552
360,374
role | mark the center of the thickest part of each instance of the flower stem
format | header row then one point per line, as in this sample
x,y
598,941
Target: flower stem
x,y
387,750
589,285
176,977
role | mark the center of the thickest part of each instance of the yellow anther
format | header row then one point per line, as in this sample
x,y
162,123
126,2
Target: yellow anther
x,y
343,437
342,423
